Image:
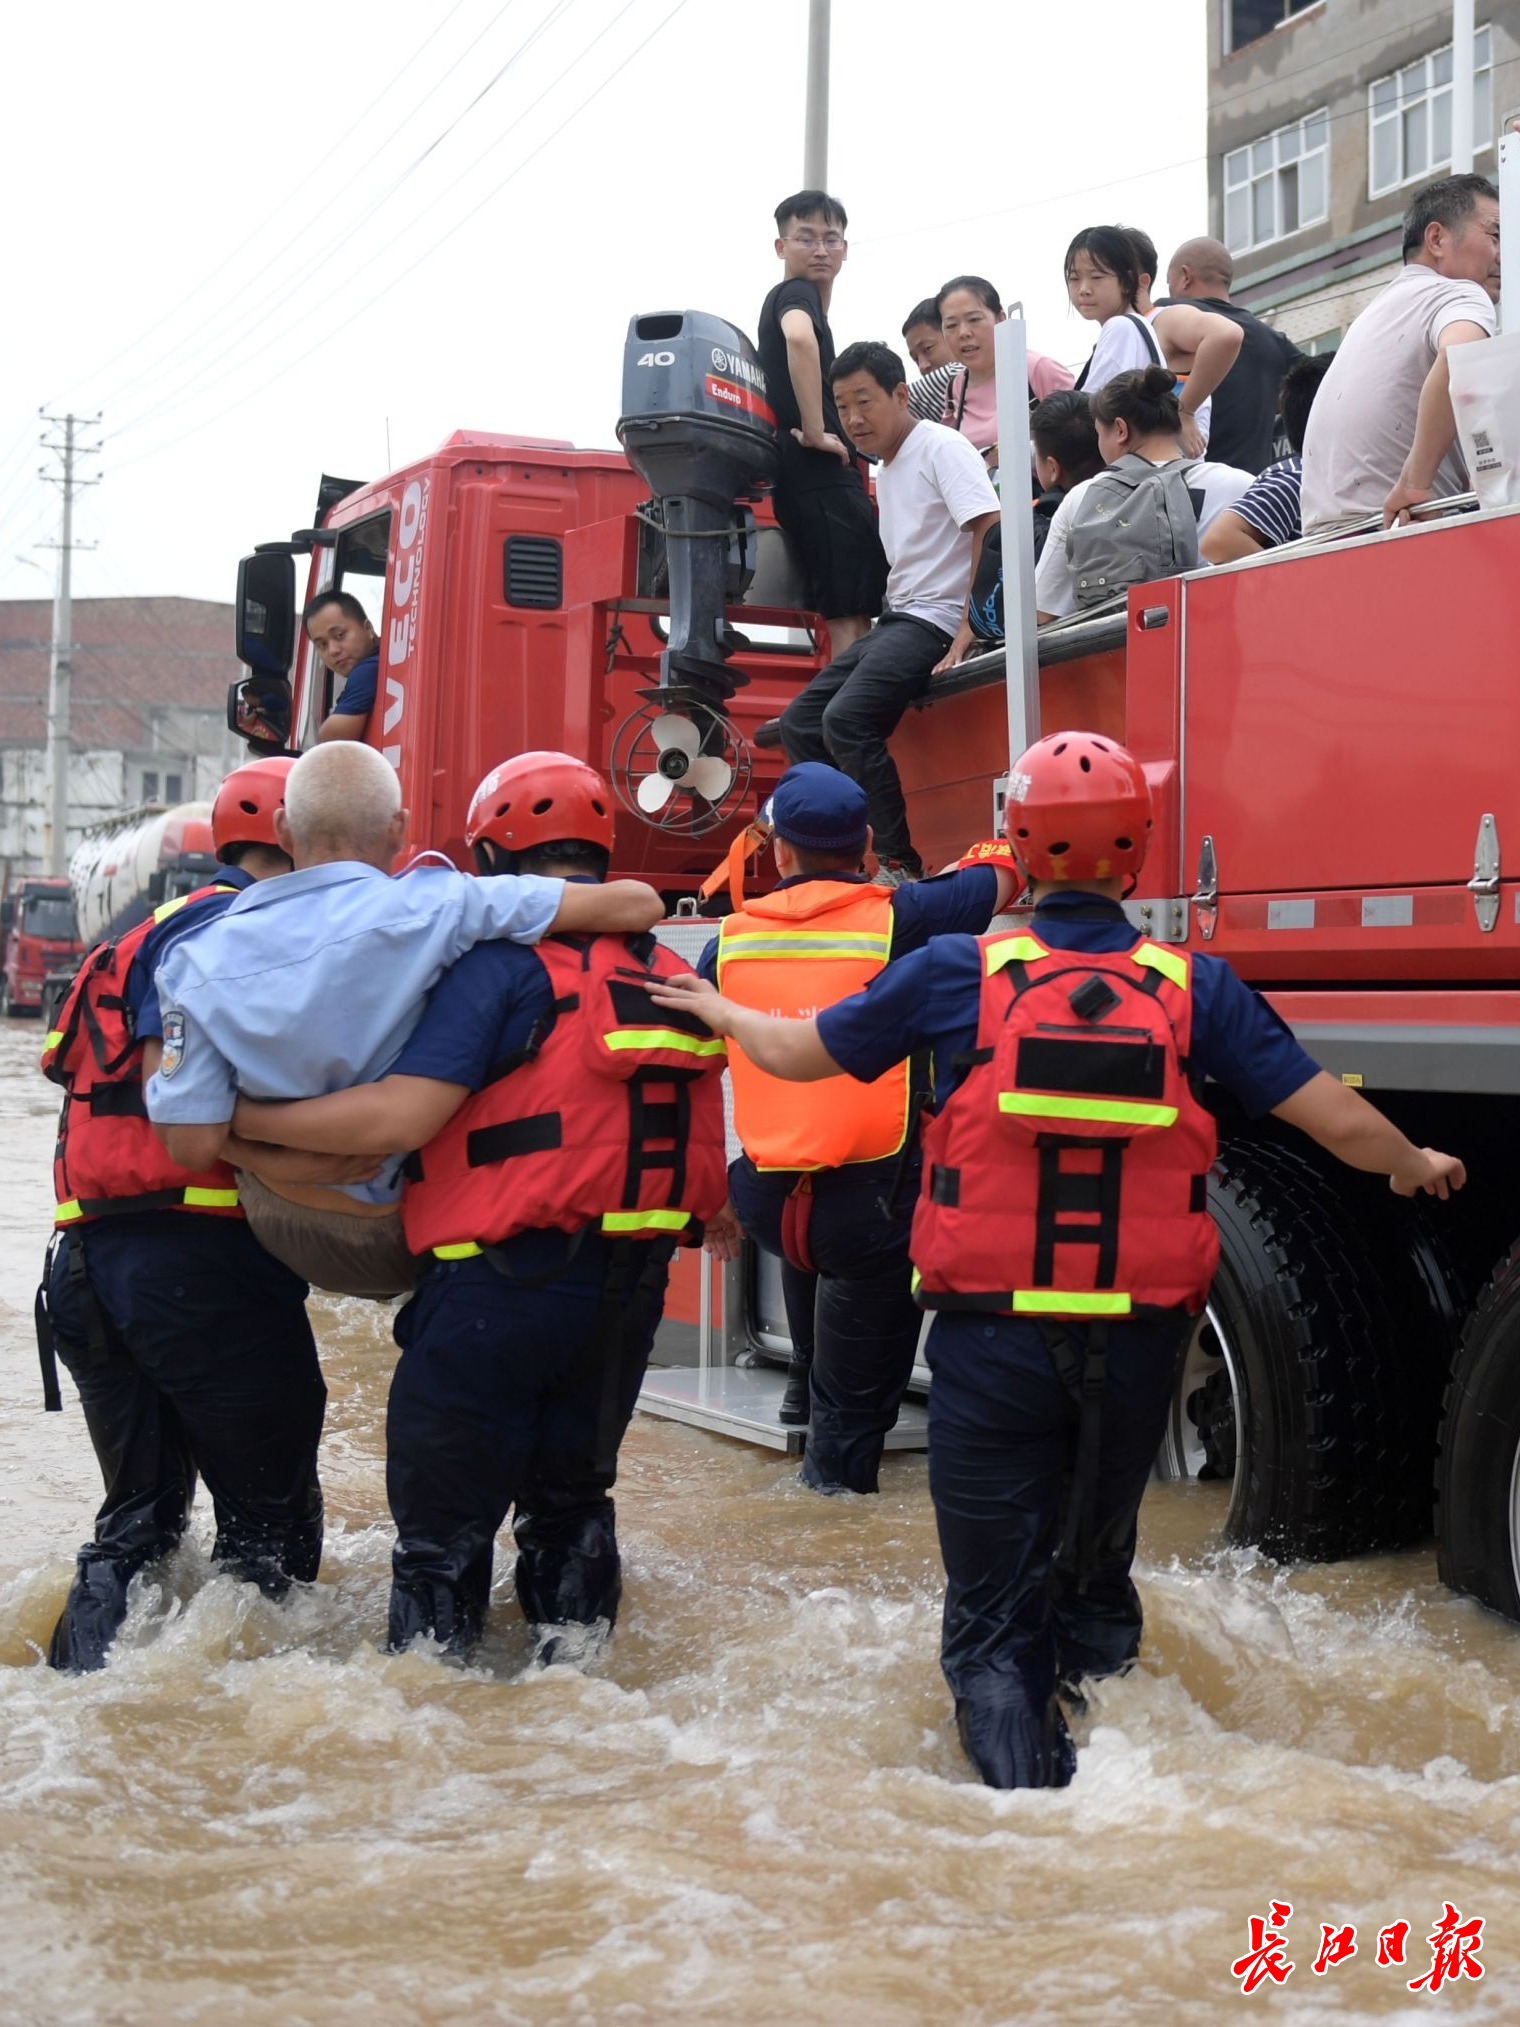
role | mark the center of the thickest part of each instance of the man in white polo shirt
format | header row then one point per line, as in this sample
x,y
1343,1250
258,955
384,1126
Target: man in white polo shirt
x,y
936,504
1382,437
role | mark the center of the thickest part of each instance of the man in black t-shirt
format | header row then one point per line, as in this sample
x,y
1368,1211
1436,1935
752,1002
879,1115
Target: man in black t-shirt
x,y
1245,401
820,495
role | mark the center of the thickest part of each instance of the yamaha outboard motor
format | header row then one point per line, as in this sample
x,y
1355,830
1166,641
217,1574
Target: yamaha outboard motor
x,y
698,429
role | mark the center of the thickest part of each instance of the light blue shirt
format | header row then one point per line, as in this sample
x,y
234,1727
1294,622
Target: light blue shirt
x,y
314,981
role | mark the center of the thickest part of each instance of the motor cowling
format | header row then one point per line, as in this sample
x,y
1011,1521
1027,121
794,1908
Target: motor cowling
x,y
698,429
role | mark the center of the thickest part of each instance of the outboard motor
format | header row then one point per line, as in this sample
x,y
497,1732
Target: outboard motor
x,y
698,429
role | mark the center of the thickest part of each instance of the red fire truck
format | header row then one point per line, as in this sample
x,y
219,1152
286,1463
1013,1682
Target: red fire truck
x,y
42,937
1330,734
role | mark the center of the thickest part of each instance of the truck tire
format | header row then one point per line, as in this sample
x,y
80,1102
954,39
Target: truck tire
x,y
1313,1378
1477,1487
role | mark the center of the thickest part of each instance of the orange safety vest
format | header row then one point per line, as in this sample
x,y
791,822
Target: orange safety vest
x,y
1067,1175
793,953
108,1159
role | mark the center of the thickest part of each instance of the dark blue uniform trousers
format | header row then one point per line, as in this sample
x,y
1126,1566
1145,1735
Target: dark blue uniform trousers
x,y
856,1314
1002,1440
201,1360
500,1401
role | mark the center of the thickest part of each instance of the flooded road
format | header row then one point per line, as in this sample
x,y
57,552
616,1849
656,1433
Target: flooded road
x,y
755,1809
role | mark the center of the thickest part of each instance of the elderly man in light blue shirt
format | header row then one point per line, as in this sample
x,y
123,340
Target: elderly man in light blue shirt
x,y
318,984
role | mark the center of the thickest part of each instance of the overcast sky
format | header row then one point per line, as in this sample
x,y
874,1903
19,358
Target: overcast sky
x,y
273,241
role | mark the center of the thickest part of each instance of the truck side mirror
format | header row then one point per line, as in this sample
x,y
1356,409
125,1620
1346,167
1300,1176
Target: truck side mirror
x,y
258,710
266,611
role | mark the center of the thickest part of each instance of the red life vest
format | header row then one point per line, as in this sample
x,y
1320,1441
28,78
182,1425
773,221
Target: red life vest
x,y
612,1115
108,1159
1067,1174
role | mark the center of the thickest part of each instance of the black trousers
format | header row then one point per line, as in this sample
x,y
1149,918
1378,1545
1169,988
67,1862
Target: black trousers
x,y
500,1401
856,1315
1002,1432
850,709
200,1361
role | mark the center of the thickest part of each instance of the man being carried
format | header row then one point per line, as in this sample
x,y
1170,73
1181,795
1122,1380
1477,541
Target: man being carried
x,y
937,504
317,982
570,1137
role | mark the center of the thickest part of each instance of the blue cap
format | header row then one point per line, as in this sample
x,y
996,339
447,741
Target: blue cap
x,y
819,808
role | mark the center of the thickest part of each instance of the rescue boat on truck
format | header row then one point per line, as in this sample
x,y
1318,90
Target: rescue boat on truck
x,y
1329,732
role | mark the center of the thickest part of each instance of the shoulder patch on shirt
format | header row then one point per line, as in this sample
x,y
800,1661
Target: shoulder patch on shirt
x,y
174,1044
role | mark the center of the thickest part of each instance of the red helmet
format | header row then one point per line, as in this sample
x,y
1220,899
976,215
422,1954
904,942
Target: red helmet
x,y
1079,808
538,798
243,813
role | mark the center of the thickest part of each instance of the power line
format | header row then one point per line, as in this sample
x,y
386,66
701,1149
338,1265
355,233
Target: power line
x,y
212,337
298,190
436,246
199,383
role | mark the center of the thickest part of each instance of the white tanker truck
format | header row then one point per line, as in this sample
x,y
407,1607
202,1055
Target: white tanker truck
x,y
128,865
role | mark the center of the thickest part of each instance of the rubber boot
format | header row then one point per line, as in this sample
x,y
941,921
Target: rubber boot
x,y
1013,1745
91,1619
796,1403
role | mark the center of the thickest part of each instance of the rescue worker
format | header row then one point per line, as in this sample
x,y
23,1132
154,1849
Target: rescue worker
x,y
827,1179
1062,1234
188,1344
570,1137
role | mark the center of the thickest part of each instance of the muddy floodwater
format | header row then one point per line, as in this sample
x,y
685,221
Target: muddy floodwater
x,y
754,1809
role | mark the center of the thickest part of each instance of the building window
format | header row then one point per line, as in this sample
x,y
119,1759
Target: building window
x,y
149,786
174,788
1248,20
1410,116
1278,185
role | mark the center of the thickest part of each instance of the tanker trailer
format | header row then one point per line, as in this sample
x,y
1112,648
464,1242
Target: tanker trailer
x,y
126,866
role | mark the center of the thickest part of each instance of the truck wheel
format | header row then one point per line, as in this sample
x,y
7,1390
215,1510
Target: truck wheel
x,y
5,998
1309,1382
1478,1458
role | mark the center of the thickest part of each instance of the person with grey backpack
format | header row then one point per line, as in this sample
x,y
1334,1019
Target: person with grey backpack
x,y
1140,518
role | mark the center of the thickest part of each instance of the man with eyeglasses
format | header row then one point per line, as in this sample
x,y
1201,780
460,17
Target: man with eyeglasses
x,y
820,495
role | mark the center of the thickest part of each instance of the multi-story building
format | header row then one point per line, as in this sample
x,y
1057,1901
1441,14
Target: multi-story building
x,y
147,709
1324,117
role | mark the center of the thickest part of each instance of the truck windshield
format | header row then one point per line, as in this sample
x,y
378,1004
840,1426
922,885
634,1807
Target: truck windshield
x,y
50,916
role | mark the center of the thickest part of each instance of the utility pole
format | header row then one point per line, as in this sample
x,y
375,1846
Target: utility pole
x,y
815,145
60,657
1462,29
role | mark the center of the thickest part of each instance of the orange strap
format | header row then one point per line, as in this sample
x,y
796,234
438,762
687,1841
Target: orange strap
x,y
750,842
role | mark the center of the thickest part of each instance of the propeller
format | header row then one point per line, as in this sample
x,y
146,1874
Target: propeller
x,y
682,764
680,770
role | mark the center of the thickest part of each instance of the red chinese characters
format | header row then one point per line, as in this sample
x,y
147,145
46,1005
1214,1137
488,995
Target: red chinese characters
x,y
1454,1946
1265,1959
1336,1944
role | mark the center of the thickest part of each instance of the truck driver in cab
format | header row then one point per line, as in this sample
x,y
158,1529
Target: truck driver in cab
x,y
338,628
